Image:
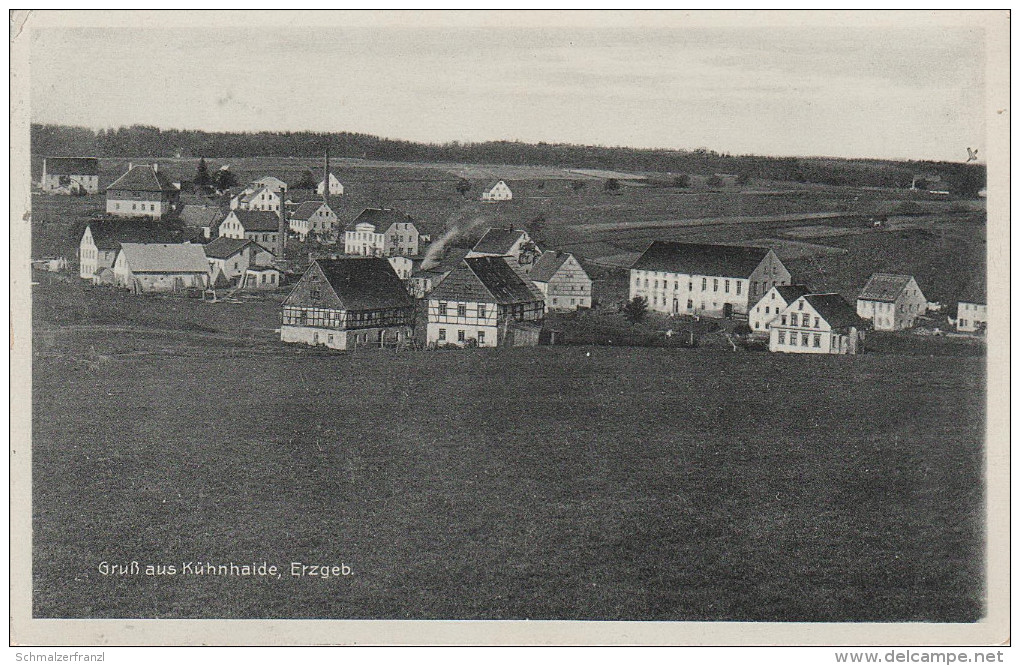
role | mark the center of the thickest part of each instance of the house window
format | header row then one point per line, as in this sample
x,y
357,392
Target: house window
x,y
793,338
481,337
442,313
704,284
804,339
818,340
816,322
782,337
442,334
715,284
726,286
481,310
738,287
690,304
783,318
460,336
766,309
793,319
461,310
800,305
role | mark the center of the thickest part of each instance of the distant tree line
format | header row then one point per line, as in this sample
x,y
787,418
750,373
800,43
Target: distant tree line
x,y
148,141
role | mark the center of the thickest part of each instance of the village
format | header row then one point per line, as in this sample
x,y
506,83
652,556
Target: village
x,y
386,279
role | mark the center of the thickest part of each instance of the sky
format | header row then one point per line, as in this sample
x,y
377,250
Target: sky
x,y
885,92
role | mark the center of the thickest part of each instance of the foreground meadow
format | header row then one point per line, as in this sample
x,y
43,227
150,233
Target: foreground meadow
x,y
544,483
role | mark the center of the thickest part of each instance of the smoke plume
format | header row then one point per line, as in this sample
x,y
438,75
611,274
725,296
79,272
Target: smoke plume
x,y
458,225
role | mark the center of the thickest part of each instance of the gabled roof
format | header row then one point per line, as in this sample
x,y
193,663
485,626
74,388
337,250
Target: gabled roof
x,y
72,166
201,216
249,195
165,257
835,310
884,287
381,218
224,248
110,235
450,261
486,280
331,175
498,241
257,220
791,292
143,178
494,183
365,283
701,259
307,209
548,264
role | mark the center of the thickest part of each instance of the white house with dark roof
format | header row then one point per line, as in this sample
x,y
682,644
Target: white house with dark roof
x,y
771,304
497,190
260,198
346,303
144,191
233,256
336,188
485,302
204,217
313,217
562,280
891,302
704,279
161,267
70,175
263,227
514,244
817,324
381,232
100,242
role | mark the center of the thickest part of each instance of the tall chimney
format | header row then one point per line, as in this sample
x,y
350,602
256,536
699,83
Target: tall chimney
x,y
281,241
155,167
325,177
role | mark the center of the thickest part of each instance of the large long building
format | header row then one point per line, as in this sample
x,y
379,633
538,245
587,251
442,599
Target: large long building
x,y
703,279
144,191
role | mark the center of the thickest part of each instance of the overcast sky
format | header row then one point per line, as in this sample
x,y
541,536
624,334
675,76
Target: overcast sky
x,y
854,92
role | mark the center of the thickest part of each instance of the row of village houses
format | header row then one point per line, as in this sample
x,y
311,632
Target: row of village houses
x,y
493,294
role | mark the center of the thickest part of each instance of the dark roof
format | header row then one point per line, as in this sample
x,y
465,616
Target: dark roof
x,y
884,287
498,240
223,247
72,166
307,209
547,265
110,235
486,280
143,178
382,218
365,283
201,216
791,292
835,310
258,220
701,259
494,183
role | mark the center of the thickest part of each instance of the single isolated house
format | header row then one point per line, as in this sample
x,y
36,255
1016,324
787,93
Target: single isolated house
x,y
497,190
70,175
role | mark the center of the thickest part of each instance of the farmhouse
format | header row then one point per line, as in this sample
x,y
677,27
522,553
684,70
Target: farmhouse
x,y
70,175
563,282
144,191
348,302
514,244
271,183
381,232
497,190
233,256
260,226
771,304
259,198
424,280
702,279
817,324
99,244
336,188
313,217
891,302
971,316
156,267
485,302
205,218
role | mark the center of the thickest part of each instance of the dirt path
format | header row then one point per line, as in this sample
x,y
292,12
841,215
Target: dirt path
x,y
705,221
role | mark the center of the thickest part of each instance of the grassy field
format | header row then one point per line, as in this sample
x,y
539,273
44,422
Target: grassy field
x,y
578,482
